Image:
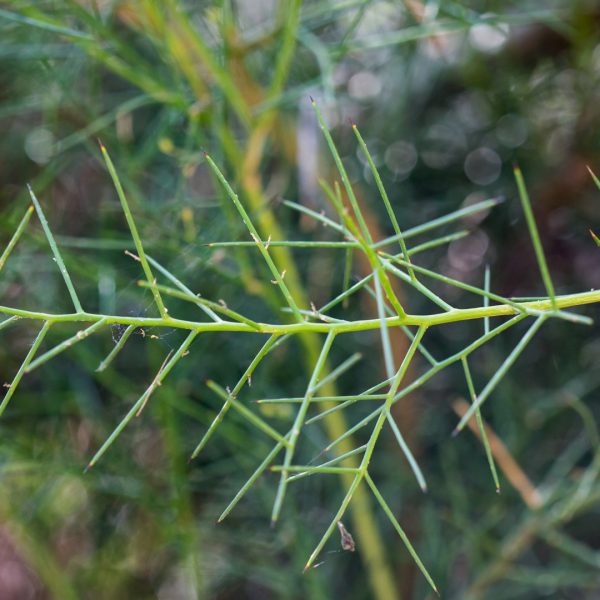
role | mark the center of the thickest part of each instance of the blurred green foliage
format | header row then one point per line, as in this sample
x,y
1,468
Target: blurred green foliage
x,y
447,95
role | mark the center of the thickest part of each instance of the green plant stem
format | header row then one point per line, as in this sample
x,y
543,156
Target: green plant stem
x,y
535,236
298,423
56,252
452,316
141,255
118,347
16,235
23,368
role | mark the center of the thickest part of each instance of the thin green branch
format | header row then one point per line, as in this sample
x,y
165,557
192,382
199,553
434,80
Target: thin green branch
x,y
16,235
384,197
271,343
256,237
248,415
23,368
143,399
177,283
78,337
333,461
117,348
499,374
55,251
338,371
298,424
398,528
543,307
198,300
8,321
344,176
535,236
141,255
480,425
255,475
412,461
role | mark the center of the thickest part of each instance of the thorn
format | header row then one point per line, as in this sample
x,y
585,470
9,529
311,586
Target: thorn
x,y
312,99
132,255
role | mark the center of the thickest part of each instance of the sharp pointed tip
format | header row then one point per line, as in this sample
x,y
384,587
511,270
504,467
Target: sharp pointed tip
x,y
589,170
516,168
88,468
498,490
312,100
306,568
424,488
455,432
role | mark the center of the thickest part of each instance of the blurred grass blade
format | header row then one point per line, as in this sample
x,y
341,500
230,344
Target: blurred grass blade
x,y
45,24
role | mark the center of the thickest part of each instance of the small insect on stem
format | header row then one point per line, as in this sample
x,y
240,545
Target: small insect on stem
x,y
347,540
